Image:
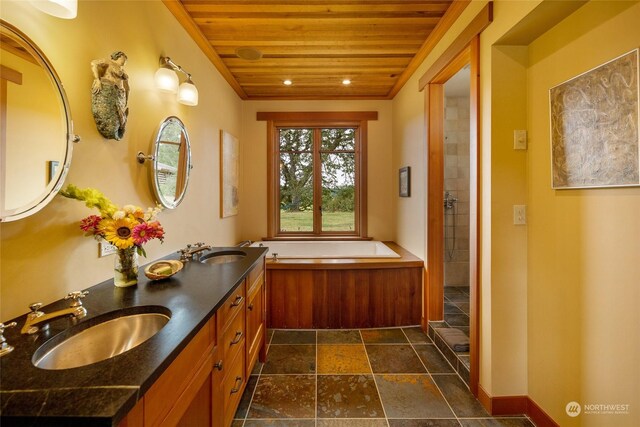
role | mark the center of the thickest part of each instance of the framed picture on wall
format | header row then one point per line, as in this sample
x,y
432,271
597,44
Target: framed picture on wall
x,y
594,127
405,181
229,174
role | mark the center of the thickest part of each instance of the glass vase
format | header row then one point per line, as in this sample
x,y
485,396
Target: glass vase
x,y
125,270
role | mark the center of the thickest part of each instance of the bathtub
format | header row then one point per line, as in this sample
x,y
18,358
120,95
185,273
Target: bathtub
x,y
342,284
324,249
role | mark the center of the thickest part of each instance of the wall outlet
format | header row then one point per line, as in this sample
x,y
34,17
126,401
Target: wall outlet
x,y
519,214
105,249
519,139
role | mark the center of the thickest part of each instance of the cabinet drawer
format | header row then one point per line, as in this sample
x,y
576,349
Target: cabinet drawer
x,y
233,387
233,338
231,307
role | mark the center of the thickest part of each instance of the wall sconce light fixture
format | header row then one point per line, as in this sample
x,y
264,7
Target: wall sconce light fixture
x,y
166,79
66,9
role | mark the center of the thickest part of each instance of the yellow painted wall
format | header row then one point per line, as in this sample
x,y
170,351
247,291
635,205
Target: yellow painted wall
x,y
508,290
583,245
382,181
45,256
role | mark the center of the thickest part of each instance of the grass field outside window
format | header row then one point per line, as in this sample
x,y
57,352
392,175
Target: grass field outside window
x,y
303,221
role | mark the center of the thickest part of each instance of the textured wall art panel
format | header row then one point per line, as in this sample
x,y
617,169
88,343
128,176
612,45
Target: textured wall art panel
x,y
594,127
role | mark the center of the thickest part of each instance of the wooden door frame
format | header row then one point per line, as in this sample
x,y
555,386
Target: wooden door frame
x,y
464,50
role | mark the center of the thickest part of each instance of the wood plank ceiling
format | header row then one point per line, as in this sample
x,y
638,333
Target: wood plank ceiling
x,y
316,44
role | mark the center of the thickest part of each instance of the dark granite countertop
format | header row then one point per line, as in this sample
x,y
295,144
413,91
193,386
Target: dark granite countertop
x,y
101,394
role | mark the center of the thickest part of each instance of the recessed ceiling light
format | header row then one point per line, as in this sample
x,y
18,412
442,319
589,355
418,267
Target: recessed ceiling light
x,y
287,82
346,82
248,53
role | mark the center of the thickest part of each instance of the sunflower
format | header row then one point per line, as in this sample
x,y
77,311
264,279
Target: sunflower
x,y
118,232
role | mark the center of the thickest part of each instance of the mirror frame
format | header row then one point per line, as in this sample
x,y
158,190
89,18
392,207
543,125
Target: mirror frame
x,y
189,165
55,185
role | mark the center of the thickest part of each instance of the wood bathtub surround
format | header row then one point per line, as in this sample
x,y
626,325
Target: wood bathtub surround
x,y
345,293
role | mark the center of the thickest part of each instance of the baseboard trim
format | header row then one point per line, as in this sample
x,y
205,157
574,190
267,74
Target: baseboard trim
x,y
539,417
515,405
508,405
485,399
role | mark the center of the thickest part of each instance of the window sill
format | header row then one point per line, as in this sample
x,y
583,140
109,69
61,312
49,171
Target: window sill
x,y
318,238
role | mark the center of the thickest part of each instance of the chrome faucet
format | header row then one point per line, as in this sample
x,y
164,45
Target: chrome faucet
x,y
449,200
190,251
36,317
5,348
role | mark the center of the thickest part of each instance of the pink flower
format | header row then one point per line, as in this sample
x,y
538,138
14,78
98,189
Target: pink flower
x,y
146,231
158,231
90,224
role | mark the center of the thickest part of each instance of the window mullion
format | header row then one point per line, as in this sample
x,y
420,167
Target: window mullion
x,y
317,182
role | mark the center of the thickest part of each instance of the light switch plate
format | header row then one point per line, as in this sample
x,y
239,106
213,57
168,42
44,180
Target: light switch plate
x,y
519,214
520,139
105,249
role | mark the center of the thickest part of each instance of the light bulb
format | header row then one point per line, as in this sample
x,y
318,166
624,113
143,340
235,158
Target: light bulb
x,y
166,80
65,9
287,82
346,82
188,93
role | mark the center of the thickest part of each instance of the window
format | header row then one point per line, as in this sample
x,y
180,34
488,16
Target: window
x,y
317,174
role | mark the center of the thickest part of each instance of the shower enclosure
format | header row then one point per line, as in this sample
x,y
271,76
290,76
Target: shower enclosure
x,y
456,201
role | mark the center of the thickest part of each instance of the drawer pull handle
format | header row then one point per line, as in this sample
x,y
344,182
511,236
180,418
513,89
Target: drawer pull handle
x,y
218,365
237,387
238,301
237,339
250,307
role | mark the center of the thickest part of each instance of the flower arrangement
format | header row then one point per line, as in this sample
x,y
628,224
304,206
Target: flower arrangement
x,y
127,228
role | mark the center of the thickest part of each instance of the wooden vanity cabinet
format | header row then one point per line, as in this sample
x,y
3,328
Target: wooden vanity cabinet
x,y
203,386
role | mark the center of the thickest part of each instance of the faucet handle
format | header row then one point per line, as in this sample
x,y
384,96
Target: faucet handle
x,y
35,308
77,298
184,254
3,327
4,346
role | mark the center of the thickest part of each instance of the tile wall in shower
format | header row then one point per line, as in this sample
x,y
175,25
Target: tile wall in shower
x,y
456,181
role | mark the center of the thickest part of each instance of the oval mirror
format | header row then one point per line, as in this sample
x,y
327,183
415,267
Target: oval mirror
x,y
36,135
171,162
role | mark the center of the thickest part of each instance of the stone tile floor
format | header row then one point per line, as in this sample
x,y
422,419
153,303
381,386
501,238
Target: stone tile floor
x,y
456,307
359,378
